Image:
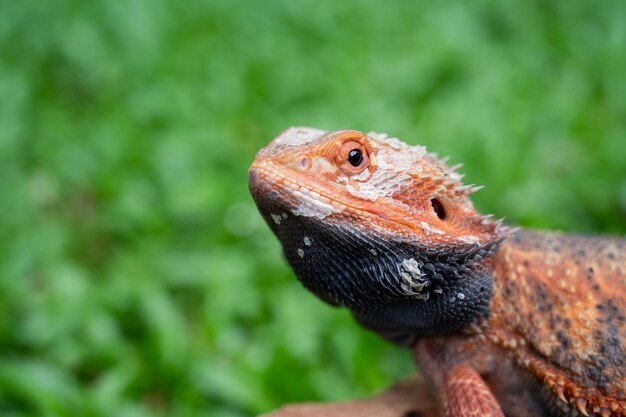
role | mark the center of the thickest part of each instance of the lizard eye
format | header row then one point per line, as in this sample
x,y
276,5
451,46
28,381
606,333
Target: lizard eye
x,y
352,157
355,157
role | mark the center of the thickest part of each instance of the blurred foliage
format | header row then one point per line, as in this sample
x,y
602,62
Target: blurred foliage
x,y
137,279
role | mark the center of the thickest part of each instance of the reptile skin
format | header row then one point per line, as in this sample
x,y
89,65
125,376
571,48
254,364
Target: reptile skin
x,y
502,321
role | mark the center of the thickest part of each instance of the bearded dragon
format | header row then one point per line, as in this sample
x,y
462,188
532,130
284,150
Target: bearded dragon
x,y
502,321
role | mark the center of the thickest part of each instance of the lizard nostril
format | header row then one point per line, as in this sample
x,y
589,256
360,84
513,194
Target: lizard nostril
x,y
438,208
305,162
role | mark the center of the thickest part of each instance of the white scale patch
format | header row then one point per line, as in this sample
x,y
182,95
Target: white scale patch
x,y
300,253
430,230
277,219
393,174
311,207
311,204
413,281
471,239
307,241
297,136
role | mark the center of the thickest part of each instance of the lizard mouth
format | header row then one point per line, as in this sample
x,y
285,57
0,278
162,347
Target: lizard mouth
x,y
266,179
309,200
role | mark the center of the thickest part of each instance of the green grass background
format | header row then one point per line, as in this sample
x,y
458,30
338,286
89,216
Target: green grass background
x,y
137,279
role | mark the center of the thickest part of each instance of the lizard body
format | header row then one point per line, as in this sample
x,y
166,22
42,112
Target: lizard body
x,y
502,321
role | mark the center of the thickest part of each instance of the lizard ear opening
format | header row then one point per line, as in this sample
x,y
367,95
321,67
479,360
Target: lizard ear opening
x,y
438,208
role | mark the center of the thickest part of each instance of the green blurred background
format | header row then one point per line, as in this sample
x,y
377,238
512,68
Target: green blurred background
x,y
137,279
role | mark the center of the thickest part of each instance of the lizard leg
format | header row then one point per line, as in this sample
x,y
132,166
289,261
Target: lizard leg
x,y
463,393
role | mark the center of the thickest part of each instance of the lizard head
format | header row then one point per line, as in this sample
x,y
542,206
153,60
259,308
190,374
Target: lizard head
x,y
379,226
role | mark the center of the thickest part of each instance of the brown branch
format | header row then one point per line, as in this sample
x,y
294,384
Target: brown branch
x,y
409,398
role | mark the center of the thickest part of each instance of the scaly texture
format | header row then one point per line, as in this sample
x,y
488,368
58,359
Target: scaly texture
x,y
500,320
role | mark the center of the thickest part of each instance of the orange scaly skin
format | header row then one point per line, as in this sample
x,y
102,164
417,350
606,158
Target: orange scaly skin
x,y
557,313
502,321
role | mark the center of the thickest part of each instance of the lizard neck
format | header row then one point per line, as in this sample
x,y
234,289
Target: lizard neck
x,y
394,287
